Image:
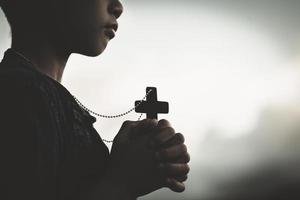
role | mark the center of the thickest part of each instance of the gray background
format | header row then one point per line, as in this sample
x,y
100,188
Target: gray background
x,y
229,69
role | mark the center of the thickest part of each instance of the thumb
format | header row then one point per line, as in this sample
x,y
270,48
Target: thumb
x,y
126,129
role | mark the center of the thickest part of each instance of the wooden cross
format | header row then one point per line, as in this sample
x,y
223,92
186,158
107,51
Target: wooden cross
x,y
151,106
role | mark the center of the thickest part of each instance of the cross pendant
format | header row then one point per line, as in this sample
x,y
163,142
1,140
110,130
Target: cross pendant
x,y
151,106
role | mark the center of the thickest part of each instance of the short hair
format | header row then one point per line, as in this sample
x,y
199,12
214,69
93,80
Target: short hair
x,y
16,11
6,8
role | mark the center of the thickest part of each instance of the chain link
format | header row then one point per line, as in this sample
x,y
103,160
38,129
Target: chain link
x,y
113,116
90,111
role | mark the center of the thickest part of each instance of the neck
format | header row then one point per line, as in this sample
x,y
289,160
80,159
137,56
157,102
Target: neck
x,y
47,58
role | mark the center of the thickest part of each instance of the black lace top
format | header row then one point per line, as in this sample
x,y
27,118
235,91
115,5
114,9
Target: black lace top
x,y
49,147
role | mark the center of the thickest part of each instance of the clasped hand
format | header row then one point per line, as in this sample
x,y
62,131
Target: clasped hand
x,y
148,155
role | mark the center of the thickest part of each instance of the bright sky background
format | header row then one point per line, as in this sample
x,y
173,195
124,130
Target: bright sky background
x,y
220,65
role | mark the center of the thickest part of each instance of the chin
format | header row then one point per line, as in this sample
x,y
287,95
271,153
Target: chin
x,y
94,52
95,48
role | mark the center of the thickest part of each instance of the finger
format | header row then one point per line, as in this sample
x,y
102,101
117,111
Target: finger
x,y
174,169
171,153
180,178
185,158
175,185
147,124
178,138
127,126
163,123
144,126
163,135
128,123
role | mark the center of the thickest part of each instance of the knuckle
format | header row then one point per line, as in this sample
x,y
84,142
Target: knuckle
x,y
183,178
187,168
168,130
163,135
178,187
183,148
180,137
182,189
187,157
127,123
163,121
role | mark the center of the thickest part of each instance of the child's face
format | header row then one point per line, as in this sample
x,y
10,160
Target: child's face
x,y
83,24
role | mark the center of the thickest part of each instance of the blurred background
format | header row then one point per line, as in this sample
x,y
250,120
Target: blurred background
x,y
230,71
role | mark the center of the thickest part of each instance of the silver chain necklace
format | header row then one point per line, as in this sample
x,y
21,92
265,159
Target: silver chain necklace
x,y
89,110
112,116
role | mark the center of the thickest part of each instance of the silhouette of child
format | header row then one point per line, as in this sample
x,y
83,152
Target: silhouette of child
x,y
49,147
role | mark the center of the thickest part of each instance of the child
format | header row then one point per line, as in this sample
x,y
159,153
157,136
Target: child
x,y
49,148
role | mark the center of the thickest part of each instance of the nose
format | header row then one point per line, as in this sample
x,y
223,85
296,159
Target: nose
x,y
116,8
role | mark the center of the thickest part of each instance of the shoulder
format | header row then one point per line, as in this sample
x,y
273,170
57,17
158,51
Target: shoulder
x,y
18,76
22,98
28,108
26,83
16,73
28,90
25,91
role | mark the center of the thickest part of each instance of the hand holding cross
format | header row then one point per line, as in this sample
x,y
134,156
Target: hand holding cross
x,y
171,152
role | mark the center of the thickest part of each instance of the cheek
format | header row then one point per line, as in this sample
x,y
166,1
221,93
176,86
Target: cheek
x,y
86,23
88,43
87,14
83,26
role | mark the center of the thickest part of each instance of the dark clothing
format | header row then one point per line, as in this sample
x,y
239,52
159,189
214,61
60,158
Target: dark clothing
x,y
49,147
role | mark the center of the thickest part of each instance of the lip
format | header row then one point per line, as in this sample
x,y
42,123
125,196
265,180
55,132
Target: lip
x,y
109,32
113,26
